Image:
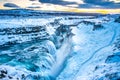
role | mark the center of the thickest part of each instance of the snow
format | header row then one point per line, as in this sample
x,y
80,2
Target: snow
x,y
56,54
87,44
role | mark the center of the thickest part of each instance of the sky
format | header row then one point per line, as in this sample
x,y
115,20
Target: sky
x,y
87,6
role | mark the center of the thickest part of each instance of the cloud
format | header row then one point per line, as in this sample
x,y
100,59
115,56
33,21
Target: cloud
x,y
32,0
86,3
12,5
33,7
87,6
98,2
103,3
57,2
73,5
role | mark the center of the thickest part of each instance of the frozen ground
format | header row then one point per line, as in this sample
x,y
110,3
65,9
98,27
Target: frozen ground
x,y
60,48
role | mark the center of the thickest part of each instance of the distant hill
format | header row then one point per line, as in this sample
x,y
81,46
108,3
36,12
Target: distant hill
x,y
28,12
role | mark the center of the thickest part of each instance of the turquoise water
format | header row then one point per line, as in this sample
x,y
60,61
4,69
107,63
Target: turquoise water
x,y
32,56
4,58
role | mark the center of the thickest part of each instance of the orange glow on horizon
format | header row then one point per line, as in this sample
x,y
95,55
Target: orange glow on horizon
x,y
52,7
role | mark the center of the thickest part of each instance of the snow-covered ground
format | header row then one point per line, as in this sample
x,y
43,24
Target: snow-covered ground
x,y
60,48
91,49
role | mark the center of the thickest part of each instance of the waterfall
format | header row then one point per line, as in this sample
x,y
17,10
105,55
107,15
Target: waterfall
x,y
61,54
38,58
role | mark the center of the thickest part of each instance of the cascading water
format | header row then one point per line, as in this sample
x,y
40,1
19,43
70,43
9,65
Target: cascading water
x,y
62,54
35,56
39,57
44,48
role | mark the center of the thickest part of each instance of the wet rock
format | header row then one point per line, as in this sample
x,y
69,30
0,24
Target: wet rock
x,y
113,76
37,77
3,73
61,33
87,22
12,36
110,76
97,27
72,18
10,77
107,71
113,59
117,19
21,30
55,23
117,43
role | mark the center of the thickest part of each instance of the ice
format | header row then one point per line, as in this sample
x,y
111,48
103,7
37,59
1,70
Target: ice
x,y
59,47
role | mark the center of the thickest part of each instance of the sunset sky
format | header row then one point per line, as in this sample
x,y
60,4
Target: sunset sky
x,y
93,6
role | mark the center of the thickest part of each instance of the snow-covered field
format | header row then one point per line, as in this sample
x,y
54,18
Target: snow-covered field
x,y
60,48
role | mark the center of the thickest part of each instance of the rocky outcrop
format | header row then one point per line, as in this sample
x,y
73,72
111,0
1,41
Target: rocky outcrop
x,y
21,30
11,36
33,51
97,27
110,76
113,59
117,19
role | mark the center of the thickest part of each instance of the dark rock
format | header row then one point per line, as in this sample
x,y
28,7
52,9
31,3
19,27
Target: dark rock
x,y
72,18
113,59
10,77
117,43
21,30
113,76
23,76
110,76
87,22
97,27
37,77
117,20
62,32
3,73
24,34
63,29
